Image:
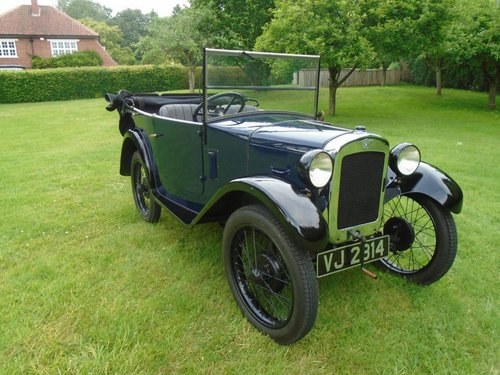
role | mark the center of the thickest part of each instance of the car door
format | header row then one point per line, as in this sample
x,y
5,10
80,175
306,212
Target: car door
x,y
176,149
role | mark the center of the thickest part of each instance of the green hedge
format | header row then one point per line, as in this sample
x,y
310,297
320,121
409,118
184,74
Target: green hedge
x,y
91,82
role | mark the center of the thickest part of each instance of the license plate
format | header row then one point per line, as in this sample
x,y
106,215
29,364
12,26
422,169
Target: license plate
x,y
345,257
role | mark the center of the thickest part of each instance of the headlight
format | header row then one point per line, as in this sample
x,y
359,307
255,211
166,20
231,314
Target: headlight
x,y
404,159
315,168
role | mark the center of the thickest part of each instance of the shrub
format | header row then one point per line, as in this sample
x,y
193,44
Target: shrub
x,y
88,82
82,58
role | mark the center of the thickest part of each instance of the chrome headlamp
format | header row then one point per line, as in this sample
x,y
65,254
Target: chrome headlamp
x,y
316,168
404,159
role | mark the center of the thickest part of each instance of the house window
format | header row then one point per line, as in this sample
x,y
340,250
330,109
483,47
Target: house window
x,y
8,48
63,47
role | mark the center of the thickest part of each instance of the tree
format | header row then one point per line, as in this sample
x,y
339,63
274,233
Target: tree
x,y
476,38
332,28
134,26
235,24
433,30
111,37
79,9
390,28
178,38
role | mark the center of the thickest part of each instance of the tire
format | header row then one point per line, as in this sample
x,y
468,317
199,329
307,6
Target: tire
x,y
141,190
272,280
423,242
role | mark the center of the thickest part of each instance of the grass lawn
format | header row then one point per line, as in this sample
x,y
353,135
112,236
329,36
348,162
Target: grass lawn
x,y
87,287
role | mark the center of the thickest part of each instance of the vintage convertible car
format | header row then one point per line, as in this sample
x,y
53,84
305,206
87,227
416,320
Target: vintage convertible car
x,y
299,198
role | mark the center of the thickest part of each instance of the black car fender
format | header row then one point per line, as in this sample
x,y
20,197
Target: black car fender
x,y
430,181
295,211
135,140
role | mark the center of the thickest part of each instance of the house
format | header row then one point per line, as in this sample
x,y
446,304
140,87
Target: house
x,y
43,31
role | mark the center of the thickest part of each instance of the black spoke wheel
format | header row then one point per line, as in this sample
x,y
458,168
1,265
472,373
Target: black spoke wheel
x,y
423,238
141,190
272,280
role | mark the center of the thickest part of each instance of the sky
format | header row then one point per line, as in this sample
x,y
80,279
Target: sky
x,y
162,7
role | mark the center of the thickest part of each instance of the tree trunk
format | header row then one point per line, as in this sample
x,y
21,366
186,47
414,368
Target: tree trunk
x,y
332,90
492,95
439,79
333,84
191,77
332,102
491,72
492,92
384,74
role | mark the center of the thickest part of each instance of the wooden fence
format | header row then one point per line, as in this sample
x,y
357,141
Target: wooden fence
x,y
367,77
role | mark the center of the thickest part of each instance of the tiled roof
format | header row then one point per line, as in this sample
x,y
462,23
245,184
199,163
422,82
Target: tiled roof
x,y
51,22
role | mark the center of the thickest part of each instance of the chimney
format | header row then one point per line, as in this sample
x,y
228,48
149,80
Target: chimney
x,y
35,9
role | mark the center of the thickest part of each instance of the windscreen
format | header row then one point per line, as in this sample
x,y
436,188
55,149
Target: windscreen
x,y
267,81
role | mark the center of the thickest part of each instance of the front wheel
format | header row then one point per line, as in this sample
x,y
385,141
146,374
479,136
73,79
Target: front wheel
x,y
141,190
423,239
272,280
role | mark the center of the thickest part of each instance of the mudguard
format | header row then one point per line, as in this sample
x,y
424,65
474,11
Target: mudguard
x,y
427,180
135,139
294,210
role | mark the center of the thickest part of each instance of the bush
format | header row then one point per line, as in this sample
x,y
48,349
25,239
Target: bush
x,y
83,58
89,82
467,75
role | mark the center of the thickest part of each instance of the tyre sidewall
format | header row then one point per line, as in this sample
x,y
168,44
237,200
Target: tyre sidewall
x,y
152,214
262,220
446,244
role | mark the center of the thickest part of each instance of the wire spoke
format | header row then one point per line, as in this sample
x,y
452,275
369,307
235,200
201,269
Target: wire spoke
x,y
262,275
421,252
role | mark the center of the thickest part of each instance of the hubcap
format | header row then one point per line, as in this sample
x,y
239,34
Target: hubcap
x,y
268,272
401,232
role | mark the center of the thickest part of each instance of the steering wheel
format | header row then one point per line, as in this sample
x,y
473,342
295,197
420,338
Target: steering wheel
x,y
218,105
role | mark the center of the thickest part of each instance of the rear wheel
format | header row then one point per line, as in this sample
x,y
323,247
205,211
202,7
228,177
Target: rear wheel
x,y
141,190
423,238
272,280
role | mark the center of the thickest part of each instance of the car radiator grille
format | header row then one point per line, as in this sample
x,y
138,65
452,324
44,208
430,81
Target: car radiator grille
x,y
360,189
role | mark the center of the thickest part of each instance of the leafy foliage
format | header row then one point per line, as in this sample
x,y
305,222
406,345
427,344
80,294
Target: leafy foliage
x,y
79,9
134,26
77,59
331,28
476,39
401,29
235,24
178,38
112,38
459,76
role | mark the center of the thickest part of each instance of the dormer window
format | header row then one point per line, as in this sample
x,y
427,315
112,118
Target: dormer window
x,y
8,48
63,47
